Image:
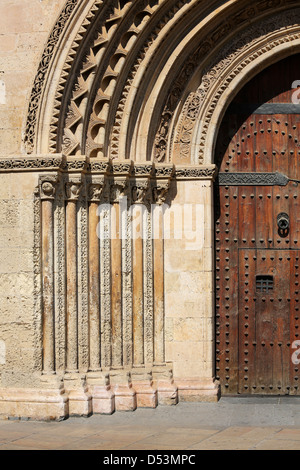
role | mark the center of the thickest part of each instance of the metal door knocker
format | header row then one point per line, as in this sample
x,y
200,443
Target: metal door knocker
x,y
283,222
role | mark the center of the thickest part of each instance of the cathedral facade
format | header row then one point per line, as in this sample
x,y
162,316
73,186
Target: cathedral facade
x,y
149,188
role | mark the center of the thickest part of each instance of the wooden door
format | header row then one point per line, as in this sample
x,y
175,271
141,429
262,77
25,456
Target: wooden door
x,y
257,238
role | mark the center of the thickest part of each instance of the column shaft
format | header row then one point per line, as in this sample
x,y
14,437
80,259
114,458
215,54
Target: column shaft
x,y
48,286
158,289
71,263
116,288
94,290
138,291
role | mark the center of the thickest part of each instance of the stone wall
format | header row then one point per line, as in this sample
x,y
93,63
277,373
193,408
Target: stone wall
x,y
24,28
17,331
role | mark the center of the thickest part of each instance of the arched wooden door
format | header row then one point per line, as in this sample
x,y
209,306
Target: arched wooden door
x,y
257,237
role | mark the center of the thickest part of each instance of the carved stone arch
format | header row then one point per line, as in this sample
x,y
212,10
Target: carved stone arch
x,y
82,52
70,26
113,74
259,46
166,98
100,100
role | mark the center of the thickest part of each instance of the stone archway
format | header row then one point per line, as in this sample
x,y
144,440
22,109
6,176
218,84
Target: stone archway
x,y
127,101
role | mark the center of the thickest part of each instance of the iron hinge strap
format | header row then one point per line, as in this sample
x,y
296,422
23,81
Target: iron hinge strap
x,y
254,179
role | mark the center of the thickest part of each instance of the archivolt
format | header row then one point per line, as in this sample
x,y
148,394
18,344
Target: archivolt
x,y
149,79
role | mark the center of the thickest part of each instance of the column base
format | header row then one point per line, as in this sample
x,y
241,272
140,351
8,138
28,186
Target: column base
x,y
146,395
198,390
103,399
80,400
167,393
58,401
35,404
125,397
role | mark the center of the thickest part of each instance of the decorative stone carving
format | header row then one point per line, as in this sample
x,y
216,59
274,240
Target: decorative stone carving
x,y
194,172
139,191
95,190
48,187
73,189
197,106
38,85
76,91
160,191
191,109
25,163
118,189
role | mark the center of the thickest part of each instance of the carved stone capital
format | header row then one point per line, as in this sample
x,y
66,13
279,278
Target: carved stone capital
x,y
95,190
144,170
100,166
118,188
164,171
73,189
47,186
139,190
160,190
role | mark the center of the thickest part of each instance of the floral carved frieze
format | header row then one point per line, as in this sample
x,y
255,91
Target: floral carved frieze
x,y
107,181
53,162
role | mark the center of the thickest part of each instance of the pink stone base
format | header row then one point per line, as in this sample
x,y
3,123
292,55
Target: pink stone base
x,y
80,403
103,400
59,403
146,395
43,405
80,400
125,398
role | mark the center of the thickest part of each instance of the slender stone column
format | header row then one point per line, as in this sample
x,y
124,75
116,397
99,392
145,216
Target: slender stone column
x,y
159,194
47,194
118,189
116,292
138,292
138,192
158,286
73,189
95,191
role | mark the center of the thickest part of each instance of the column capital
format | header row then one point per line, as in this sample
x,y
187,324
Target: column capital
x,y
160,191
139,189
47,187
95,189
73,189
118,188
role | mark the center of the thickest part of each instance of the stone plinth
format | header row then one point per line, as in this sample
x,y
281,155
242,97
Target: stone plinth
x,y
80,400
197,390
41,404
